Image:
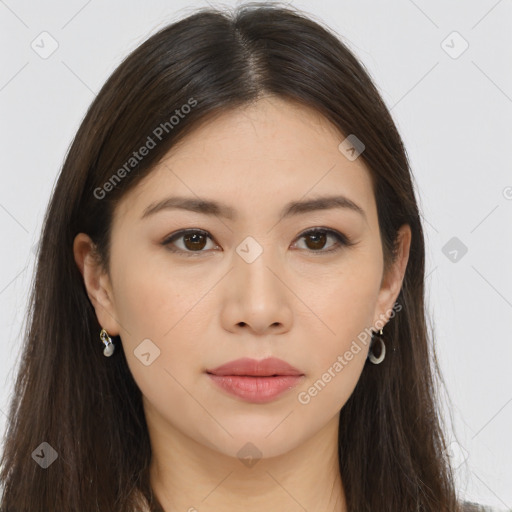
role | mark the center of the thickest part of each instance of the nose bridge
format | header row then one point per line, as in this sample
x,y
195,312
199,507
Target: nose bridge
x,y
257,293
253,262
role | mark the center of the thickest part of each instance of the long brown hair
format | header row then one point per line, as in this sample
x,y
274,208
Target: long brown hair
x,y
87,407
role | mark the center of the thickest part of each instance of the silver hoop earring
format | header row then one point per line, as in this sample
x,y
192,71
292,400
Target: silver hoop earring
x,y
371,355
109,346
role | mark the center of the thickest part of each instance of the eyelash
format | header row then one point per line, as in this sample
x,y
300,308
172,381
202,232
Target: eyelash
x,y
342,240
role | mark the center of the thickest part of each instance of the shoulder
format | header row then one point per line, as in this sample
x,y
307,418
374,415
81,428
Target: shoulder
x,y
469,506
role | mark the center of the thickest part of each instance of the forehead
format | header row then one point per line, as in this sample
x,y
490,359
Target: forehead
x,y
256,158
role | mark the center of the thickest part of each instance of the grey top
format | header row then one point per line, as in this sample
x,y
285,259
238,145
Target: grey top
x,y
467,507
475,507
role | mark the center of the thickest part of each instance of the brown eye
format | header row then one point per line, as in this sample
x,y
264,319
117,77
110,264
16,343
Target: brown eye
x,y
316,240
192,241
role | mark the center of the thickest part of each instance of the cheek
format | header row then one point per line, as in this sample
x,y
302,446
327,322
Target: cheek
x,y
162,318
151,296
344,304
338,356
325,393
344,298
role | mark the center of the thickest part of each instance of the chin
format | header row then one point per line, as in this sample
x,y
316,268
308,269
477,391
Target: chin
x,y
253,441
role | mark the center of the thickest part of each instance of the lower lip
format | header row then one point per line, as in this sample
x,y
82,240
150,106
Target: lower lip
x,y
256,389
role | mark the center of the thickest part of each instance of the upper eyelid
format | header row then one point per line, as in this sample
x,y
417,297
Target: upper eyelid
x,y
330,231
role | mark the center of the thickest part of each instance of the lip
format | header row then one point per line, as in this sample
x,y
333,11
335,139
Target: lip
x,y
252,367
256,381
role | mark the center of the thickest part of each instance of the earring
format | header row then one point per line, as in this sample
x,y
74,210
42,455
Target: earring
x,y
371,356
109,346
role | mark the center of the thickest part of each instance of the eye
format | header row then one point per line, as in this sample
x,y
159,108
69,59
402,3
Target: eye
x,y
195,240
316,240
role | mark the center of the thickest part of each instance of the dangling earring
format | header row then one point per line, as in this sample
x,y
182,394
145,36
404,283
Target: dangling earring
x,y
109,346
371,356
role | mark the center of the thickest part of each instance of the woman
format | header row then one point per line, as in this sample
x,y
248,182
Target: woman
x,y
228,309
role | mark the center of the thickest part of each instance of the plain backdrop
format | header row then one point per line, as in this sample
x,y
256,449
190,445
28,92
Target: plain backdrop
x,y
444,70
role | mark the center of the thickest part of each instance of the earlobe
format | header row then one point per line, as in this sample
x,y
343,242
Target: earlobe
x,y
97,283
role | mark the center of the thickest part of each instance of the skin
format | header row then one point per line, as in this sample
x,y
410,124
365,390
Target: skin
x,y
201,311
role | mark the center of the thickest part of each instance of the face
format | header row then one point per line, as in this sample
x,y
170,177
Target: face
x,y
251,279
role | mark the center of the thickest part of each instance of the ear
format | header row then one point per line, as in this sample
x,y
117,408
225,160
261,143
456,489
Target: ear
x,y
393,278
97,283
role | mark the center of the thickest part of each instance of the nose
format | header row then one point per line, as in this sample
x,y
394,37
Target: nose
x,y
257,297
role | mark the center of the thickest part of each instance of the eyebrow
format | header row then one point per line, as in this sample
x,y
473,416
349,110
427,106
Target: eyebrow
x,y
214,208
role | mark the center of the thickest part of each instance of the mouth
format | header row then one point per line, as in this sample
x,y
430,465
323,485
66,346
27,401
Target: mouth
x,y
256,381
256,389
269,367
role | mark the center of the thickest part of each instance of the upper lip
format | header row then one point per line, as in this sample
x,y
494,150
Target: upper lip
x,y
252,367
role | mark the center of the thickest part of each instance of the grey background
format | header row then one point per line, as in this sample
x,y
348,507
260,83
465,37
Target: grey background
x,y
454,113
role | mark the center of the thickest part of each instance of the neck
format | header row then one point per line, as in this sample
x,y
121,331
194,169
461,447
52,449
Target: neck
x,y
188,476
